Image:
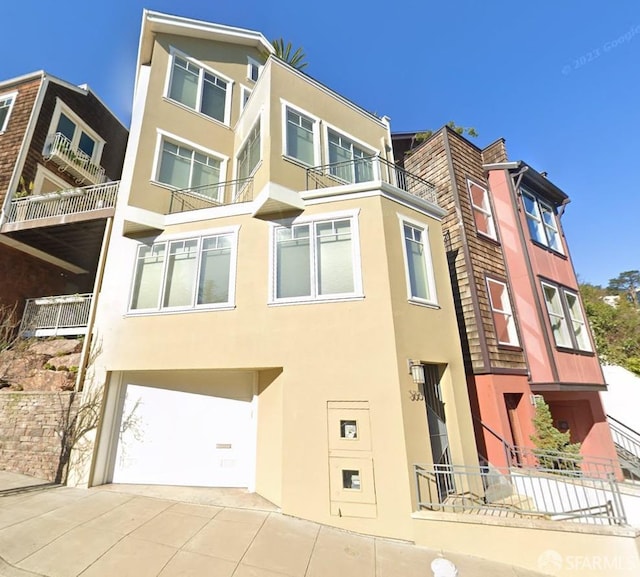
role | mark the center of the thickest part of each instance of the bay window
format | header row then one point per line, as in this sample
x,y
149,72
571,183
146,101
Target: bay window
x,y
200,89
316,260
541,220
185,273
418,266
568,325
350,162
299,137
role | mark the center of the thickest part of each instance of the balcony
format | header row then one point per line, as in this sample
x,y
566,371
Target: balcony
x,y
97,201
56,316
211,195
370,169
60,150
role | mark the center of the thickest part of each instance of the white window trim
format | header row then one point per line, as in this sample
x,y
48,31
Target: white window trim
x,y
498,310
482,210
316,133
244,89
233,271
244,142
360,143
42,173
583,320
81,126
568,319
253,62
357,294
402,220
162,135
13,96
228,96
541,225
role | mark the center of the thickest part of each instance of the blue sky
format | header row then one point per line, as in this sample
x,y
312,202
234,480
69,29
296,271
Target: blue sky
x,y
560,81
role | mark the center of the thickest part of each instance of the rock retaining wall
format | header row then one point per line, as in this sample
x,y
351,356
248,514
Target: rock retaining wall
x,y
32,425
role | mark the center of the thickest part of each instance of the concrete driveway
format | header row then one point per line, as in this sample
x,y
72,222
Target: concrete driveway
x,y
115,531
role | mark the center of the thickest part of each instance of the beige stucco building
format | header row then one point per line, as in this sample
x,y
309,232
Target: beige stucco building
x,y
271,278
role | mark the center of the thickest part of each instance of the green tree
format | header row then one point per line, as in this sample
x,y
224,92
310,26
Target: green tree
x,y
461,130
615,327
285,52
627,283
554,449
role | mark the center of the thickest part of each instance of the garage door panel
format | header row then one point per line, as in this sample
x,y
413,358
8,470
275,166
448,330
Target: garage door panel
x,y
178,438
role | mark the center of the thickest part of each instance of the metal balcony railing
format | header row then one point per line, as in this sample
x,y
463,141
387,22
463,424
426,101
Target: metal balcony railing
x,y
524,494
369,169
627,443
56,316
211,195
64,202
59,149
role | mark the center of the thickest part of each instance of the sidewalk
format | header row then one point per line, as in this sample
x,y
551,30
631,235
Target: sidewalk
x,y
58,531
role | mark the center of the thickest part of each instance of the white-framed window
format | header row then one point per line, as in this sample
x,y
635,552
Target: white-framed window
x,y
67,123
481,207
250,154
181,164
541,220
505,325
316,259
6,106
186,273
300,135
245,93
254,68
198,87
421,286
567,320
348,160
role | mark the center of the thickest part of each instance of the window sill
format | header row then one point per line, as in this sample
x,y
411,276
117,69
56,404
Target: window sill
x,y
508,347
488,238
548,249
284,302
296,161
197,113
425,304
575,351
181,311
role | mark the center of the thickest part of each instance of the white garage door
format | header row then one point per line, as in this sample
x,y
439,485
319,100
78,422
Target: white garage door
x,y
176,438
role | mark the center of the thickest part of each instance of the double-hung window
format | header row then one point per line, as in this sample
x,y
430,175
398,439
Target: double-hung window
x,y
503,320
6,105
567,320
200,89
541,220
254,68
481,207
183,167
316,260
418,265
300,137
76,136
348,162
249,155
187,273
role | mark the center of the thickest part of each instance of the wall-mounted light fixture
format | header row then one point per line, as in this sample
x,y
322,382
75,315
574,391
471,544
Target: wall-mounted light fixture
x,y
416,368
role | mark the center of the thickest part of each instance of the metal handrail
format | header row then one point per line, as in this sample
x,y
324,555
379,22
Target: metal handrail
x,y
57,145
211,195
64,202
559,461
369,169
56,315
505,492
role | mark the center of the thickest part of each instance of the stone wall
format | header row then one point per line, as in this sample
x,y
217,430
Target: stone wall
x,y
31,428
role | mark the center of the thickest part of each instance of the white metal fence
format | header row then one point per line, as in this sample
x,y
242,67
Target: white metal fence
x,y
56,316
61,150
64,202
